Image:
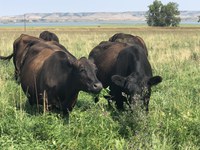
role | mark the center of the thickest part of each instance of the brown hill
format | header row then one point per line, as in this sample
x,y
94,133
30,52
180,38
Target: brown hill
x,y
91,16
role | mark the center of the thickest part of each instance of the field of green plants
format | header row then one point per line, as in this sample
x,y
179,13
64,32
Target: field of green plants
x,y
173,121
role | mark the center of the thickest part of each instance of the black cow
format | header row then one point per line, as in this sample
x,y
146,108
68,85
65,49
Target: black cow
x,y
49,69
49,36
129,39
124,69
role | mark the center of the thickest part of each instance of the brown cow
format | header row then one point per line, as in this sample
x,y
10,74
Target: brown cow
x,y
49,69
20,48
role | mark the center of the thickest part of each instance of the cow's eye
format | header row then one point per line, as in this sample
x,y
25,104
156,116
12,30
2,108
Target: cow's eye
x,y
82,69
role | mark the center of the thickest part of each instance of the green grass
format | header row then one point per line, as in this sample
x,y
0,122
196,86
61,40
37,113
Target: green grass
x,y
173,121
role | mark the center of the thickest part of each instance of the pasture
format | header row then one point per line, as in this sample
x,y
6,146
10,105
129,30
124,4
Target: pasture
x,y
173,121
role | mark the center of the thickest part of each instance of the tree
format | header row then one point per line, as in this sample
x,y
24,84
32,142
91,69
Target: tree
x,y
154,13
163,15
199,19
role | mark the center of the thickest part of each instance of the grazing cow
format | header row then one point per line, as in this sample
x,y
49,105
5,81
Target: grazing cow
x,y
124,69
48,36
20,48
129,39
48,69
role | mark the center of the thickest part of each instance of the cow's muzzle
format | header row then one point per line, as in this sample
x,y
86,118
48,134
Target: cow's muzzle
x,y
97,87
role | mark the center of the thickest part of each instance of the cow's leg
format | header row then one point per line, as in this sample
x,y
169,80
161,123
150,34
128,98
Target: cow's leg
x,y
34,102
117,96
50,100
31,100
65,109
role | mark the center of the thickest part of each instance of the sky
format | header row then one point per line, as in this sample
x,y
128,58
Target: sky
x,y
20,7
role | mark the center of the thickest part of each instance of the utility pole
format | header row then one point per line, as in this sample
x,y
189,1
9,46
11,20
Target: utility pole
x,y
24,23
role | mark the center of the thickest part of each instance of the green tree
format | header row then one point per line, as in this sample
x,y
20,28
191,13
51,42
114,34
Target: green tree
x,y
153,16
199,19
163,15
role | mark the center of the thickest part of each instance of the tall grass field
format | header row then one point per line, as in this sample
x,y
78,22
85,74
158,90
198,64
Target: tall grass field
x,y
173,121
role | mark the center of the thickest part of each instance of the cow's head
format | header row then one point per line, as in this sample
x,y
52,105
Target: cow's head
x,y
86,76
49,36
136,87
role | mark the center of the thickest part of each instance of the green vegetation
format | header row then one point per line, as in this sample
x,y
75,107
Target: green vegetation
x,y
163,15
173,121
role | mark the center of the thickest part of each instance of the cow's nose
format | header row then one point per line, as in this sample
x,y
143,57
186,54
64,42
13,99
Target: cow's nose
x,y
97,86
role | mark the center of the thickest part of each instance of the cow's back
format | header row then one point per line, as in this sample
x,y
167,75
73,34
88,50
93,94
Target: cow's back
x,y
104,57
129,39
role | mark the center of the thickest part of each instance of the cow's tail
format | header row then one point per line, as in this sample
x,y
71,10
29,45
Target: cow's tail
x,y
6,57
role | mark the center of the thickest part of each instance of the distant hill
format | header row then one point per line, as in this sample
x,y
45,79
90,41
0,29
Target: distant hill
x,y
191,16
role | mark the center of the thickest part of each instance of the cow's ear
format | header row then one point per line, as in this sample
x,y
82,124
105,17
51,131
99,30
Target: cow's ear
x,y
74,64
154,80
118,80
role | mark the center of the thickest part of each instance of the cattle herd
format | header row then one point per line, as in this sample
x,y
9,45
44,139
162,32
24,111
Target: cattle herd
x,y
51,76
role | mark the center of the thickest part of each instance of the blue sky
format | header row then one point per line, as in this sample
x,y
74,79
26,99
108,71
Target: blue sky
x,y
19,7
